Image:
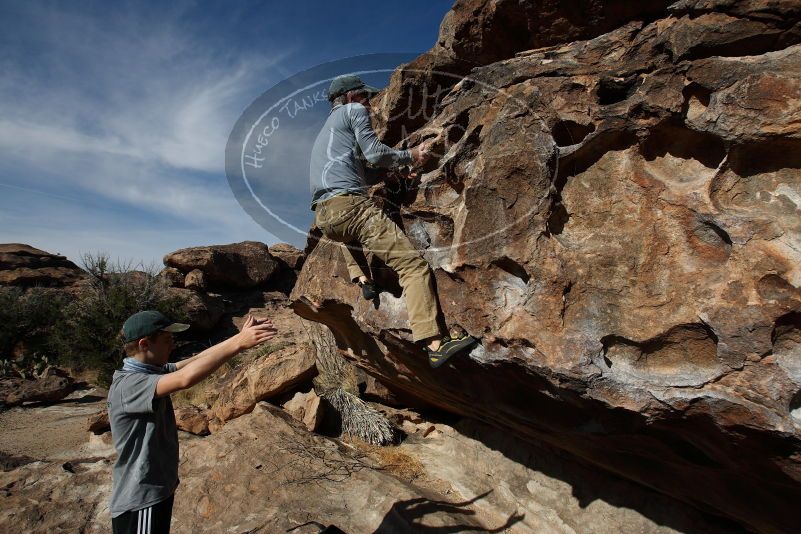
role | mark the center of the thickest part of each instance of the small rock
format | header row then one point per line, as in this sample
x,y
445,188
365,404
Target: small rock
x,y
172,277
98,423
196,280
430,431
192,419
306,408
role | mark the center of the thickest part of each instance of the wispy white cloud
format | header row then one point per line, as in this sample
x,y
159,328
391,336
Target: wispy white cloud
x,y
178,115
134,108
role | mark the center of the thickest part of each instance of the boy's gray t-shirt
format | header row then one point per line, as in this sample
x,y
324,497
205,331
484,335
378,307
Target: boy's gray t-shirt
x,y
146,438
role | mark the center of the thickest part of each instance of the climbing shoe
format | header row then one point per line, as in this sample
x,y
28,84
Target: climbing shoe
x,y
370,290
449,347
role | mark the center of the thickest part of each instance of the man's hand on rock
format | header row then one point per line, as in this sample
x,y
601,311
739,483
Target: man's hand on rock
x,y
421,154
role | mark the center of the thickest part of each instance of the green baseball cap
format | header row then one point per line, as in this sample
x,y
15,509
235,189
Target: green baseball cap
x,y
148,322
348,82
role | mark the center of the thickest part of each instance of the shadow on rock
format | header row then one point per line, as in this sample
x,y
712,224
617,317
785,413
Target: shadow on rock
x,y
411,514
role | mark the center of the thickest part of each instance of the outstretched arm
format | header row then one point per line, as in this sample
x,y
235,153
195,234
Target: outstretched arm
x,y
180,365
201,366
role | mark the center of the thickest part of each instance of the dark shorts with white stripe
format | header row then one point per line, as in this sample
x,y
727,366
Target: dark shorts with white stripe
x,y
154,519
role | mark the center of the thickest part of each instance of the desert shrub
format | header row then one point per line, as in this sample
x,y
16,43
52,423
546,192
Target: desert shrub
x,y
89,336
28,319
29,366
25,315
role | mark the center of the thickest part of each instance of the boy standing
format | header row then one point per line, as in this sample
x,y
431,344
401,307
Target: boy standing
x,y
143,428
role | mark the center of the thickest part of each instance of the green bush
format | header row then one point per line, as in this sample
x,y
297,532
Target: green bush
x,y
27,321
89,336
79,330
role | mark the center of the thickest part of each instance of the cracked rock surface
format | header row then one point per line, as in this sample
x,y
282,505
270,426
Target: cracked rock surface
x,y
619,220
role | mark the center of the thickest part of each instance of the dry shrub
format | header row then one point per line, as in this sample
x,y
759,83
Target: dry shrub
x,y
392,460
337,383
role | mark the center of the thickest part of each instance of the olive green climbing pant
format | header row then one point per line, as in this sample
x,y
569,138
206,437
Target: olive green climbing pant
x,y
348,218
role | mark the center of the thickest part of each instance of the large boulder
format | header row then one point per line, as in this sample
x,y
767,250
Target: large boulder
x,y
619,221
203,311
291,256
25,266
238,265
477,32
272,372
52,387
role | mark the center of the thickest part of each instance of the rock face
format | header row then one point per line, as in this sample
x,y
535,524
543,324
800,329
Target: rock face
x,y
239,265
268,376
290,256
619,221
25,266
266,473
478,32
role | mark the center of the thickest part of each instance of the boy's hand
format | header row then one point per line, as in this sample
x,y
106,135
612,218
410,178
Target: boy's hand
x,y
255,331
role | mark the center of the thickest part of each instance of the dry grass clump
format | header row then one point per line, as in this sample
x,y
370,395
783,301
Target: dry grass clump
x,y
204,393
197,395
360,420
391,459
265,350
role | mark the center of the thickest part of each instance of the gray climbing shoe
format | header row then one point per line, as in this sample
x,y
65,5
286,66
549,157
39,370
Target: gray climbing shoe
x,y
370,290
450,346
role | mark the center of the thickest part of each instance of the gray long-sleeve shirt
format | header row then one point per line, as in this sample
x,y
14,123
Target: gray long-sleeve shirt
x,y
337,158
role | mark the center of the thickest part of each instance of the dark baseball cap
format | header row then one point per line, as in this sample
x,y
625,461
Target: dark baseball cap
x,y
348,82
148,322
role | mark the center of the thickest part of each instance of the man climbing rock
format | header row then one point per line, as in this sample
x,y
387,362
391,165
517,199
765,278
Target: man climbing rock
x,y
345,214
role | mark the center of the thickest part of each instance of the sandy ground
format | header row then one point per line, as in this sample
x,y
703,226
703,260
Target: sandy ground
x,y
50,432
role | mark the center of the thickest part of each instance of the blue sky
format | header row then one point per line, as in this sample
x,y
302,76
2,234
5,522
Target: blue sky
x,y
114,116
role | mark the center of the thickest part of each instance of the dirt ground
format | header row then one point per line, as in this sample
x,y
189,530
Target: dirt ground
x,y
57,431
